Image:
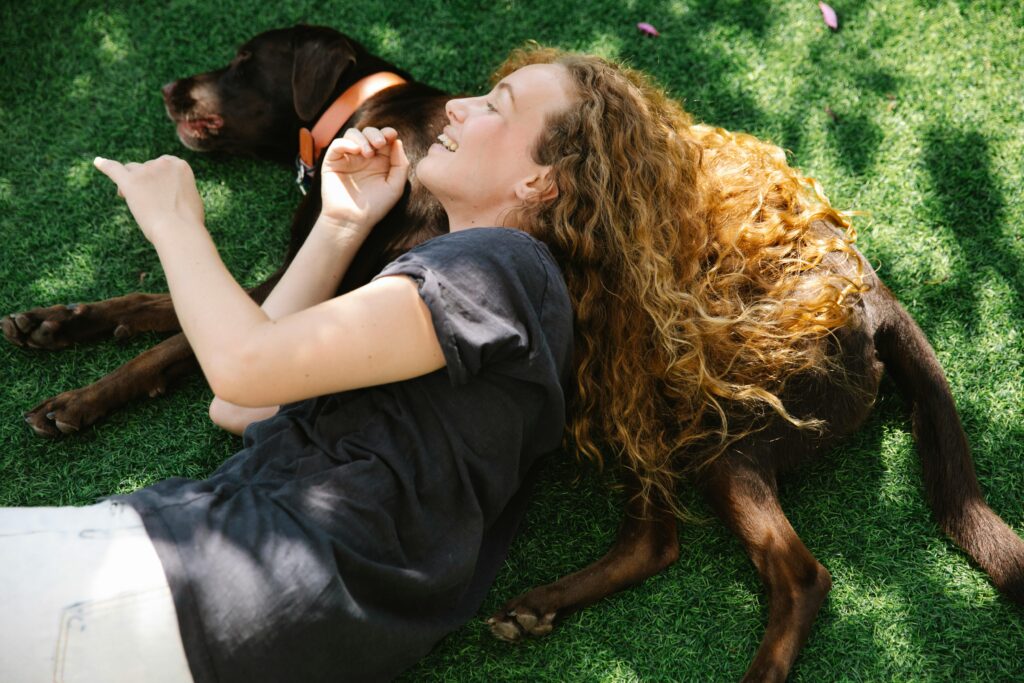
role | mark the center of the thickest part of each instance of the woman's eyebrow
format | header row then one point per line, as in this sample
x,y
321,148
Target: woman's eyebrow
x,y
508,88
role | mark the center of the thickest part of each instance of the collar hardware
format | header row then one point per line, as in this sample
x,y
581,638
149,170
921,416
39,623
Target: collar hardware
x,y
313,142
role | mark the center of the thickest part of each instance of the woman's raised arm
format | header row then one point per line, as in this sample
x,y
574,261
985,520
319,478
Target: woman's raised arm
x,y
377,334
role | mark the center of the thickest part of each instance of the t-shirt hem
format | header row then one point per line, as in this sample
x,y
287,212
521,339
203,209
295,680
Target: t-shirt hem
x,y
190,626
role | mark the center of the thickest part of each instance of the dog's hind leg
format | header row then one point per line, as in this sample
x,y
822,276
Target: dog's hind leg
x,y
745,498
950,480
646,544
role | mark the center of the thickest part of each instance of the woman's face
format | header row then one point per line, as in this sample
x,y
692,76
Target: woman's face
x,y
482,163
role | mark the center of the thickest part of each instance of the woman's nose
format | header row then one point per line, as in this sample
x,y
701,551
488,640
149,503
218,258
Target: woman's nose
x,y
456,110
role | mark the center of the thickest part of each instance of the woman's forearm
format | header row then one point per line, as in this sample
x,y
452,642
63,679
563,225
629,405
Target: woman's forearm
x,y
315,272
215,312
312,277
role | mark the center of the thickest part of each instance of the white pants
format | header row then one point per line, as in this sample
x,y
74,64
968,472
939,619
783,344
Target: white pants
x,y
83,597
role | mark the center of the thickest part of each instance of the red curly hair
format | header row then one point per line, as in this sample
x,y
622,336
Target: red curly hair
x,y
699,284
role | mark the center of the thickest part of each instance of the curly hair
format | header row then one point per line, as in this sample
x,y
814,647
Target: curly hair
x,y
698,282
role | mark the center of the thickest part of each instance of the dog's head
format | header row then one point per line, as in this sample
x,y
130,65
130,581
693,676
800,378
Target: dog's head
x,y
277,82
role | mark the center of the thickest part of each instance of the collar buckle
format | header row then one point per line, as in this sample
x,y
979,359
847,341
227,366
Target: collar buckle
x,y
304,175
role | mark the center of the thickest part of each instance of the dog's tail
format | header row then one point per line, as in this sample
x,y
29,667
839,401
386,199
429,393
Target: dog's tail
x,y
950,482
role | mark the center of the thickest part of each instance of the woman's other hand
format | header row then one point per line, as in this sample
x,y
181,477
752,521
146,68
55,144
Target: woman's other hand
x,y
160,193
362,177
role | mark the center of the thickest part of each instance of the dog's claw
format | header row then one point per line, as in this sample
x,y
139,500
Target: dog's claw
x,y
506,631
65,427
10,329
42,428
527,621
64,414
512,624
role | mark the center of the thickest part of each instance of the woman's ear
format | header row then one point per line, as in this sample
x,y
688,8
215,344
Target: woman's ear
x,y
538,187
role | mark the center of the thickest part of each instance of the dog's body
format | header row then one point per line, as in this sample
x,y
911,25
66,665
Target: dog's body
x,y
740,485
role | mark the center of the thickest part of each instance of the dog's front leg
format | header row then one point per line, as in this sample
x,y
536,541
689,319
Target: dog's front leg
x,y
148,374
57,327
646,544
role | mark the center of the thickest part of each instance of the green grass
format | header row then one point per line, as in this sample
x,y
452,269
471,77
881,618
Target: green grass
x,y
928,141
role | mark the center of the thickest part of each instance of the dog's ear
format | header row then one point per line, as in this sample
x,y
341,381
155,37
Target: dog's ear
x,y
321,57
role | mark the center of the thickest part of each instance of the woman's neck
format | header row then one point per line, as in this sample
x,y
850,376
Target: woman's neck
x,y
475,218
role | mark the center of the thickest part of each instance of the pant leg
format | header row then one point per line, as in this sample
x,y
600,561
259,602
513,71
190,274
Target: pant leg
x,y
83,598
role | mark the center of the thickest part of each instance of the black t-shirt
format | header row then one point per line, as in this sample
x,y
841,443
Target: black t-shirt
x,y
353,531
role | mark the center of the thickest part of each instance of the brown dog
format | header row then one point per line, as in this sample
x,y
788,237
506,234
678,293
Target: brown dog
x,y
270,74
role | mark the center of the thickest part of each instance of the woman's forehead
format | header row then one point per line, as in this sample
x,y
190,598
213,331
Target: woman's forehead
x,y
537,82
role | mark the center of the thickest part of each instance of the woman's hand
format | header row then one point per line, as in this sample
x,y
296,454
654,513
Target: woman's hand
x,y
363,175
161,193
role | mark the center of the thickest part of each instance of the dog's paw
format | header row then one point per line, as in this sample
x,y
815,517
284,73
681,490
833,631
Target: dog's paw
x,y
63,414
44,328
516,620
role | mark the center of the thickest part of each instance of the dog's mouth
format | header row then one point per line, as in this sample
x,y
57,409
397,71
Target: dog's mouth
x,y
199,126
198,132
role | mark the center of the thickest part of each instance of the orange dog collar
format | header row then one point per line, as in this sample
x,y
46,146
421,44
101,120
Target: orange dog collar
x,y
312,143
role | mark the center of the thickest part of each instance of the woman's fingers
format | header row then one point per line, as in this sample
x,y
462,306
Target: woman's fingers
x,y
359,137
342,147
114,170
382,137
368,143
371,139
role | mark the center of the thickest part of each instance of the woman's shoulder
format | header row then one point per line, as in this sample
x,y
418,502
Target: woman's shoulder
x,y
490,250
489,238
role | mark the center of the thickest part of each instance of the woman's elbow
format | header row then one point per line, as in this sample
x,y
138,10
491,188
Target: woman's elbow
x,y
227,377
234,418
224,415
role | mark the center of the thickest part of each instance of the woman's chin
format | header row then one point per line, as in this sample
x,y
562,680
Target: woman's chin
x,y
427,167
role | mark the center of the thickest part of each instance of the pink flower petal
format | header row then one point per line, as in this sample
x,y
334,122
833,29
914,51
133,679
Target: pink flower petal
x,y
647,29
829,15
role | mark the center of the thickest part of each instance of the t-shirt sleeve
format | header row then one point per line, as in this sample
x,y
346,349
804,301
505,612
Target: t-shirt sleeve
x,y
484,288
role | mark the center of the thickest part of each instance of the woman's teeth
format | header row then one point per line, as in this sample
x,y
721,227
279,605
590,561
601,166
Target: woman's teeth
x,y
447,142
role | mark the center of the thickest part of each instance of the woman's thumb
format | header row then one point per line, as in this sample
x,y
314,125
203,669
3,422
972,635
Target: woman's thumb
x,y
399,164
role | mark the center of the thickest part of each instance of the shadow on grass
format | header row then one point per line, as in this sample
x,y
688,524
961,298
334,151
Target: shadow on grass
x,y
968,202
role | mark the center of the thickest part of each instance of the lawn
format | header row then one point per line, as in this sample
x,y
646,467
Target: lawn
x,y
911,113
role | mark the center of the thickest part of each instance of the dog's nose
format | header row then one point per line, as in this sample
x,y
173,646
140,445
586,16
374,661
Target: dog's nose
x,y
168,89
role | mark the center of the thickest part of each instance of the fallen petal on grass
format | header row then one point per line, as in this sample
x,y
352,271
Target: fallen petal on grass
x,y
829,15
647,29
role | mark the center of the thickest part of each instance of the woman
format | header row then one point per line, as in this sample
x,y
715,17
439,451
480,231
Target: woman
x,y
356,529
367,518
